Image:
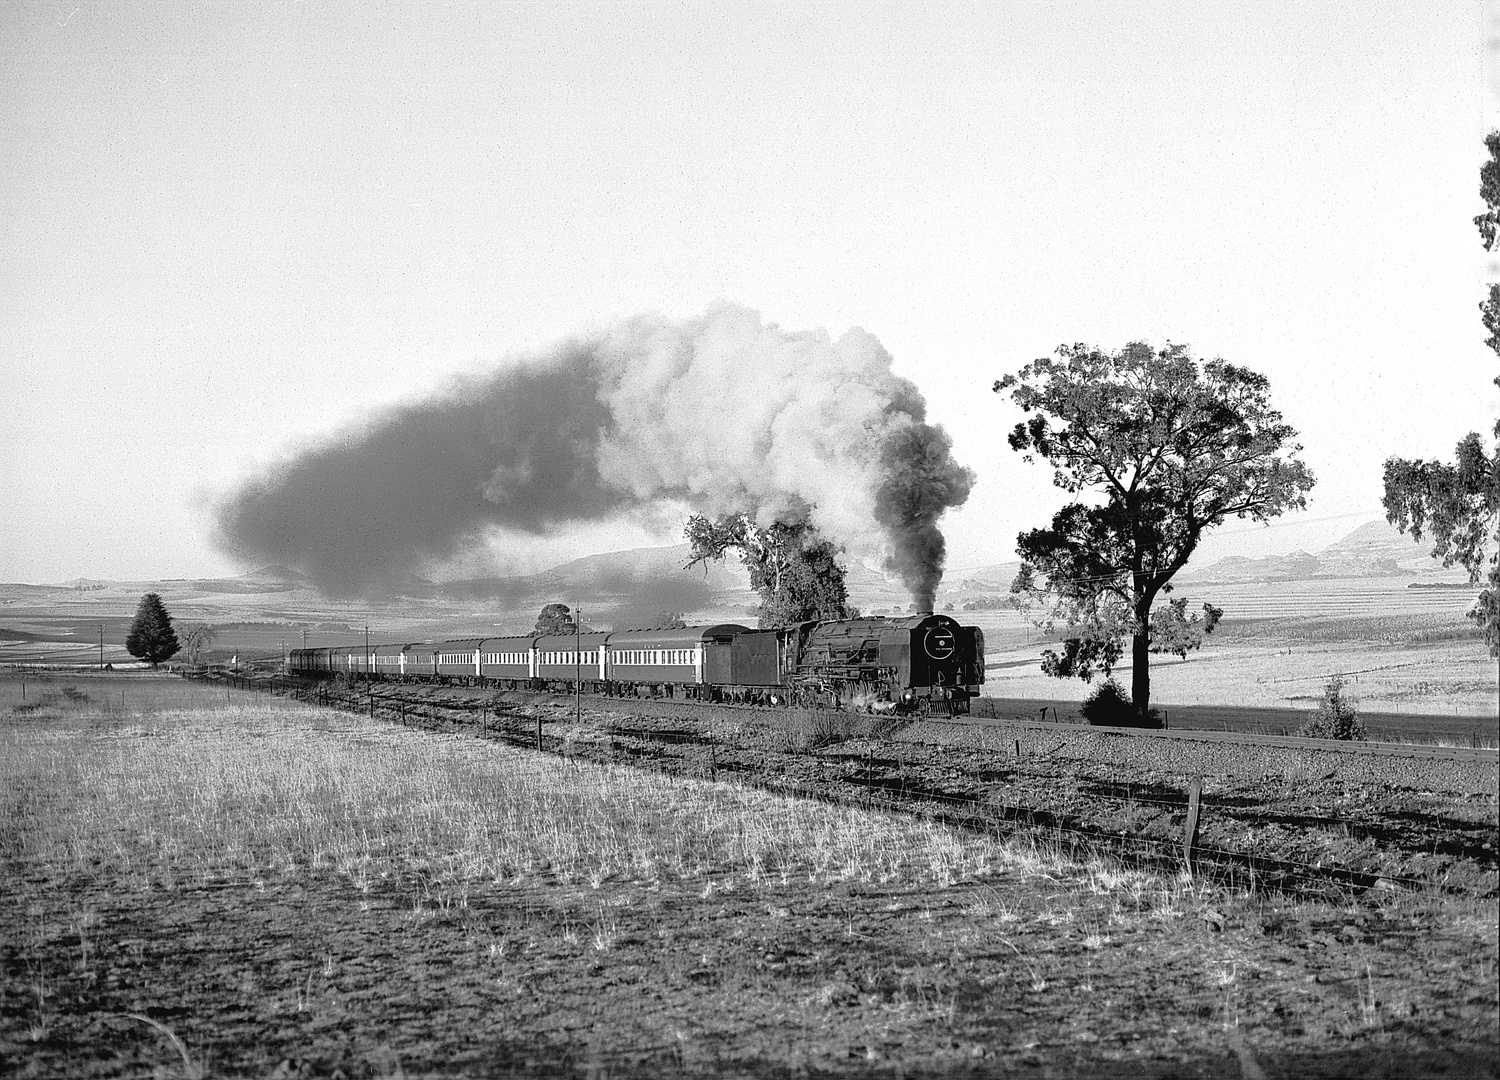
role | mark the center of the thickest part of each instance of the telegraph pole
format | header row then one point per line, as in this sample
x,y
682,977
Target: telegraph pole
x,y
369,673
101,647
577,665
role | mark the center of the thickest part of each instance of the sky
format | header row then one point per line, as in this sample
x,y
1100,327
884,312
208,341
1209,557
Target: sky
x,y
230,232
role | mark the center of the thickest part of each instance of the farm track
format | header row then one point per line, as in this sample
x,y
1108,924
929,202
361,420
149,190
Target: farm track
x,y
942,790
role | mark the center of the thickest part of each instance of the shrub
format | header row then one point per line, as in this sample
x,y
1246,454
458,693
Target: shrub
x,y
1110,706
1334,718
824,728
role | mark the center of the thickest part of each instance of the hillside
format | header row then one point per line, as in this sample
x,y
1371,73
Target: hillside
x,y
1376,549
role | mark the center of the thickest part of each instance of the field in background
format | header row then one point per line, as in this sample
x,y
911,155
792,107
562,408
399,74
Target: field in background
x,y
1400,650
282,889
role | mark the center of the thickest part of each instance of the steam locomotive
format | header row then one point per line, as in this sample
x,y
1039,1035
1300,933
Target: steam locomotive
x,y
920,664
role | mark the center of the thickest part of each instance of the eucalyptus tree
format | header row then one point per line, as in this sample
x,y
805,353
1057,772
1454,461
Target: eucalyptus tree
x,y
1457,505
795,571
1159,450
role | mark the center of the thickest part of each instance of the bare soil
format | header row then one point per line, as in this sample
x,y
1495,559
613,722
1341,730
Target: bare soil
x,y
313,977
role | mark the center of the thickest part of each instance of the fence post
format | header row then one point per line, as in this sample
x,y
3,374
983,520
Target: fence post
x,y
1190,829
539,734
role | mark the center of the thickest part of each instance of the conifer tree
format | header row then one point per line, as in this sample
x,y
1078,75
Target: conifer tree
x,y
151,636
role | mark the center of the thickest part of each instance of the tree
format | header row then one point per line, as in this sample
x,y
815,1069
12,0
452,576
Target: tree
x,y
1458,505
195,638
795,570
1170,450
557,619
151,636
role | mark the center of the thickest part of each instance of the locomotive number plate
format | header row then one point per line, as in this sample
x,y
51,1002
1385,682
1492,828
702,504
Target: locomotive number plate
x,y
940,643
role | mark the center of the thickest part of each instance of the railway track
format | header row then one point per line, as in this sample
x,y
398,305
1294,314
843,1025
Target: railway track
x,y
1375,748
1240,738
1245,738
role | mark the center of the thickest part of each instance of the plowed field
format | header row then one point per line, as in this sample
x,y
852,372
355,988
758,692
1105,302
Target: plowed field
x,y
262,888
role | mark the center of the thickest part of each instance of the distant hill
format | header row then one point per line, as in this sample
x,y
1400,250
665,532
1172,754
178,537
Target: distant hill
x,y
1376,549
977,588
641,586
1294,567
274,573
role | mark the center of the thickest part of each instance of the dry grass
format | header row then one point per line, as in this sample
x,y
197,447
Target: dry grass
x,y
274,788
56,695
527,900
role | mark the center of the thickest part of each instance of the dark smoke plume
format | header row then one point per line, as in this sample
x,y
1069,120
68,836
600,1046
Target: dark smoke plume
x,y
720,414
921,481
371,510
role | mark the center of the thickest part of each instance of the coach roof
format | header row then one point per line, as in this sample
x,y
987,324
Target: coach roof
x,y
680,638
